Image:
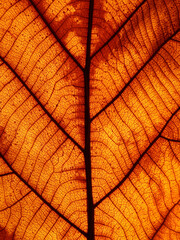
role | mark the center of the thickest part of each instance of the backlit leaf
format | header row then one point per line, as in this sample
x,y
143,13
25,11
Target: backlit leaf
x,y
89,119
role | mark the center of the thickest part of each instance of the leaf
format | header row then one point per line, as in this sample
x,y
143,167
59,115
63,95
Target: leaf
x,y
89,121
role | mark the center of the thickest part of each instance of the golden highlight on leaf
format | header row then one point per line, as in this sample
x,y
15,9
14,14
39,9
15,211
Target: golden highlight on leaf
x,y
89,119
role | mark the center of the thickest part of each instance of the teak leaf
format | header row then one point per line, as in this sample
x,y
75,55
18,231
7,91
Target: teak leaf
x,y
89,119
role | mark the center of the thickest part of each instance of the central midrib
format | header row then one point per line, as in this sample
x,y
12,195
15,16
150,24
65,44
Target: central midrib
x,y
87,152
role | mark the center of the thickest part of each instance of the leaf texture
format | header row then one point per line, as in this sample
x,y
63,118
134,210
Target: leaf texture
x,y
89,119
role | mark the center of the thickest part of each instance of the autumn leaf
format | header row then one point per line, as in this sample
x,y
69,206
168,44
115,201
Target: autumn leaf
x,y
89,120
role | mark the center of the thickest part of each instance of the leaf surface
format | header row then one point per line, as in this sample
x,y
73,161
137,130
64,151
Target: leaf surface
x,y
89,119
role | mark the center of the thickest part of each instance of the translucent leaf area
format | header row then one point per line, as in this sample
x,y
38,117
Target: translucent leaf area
x,y
89,119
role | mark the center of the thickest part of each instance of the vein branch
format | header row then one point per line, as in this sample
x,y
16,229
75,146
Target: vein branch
x,y
6,174
138,160
42,199
162,224
170,139
41,105
128,83
55,35
119,29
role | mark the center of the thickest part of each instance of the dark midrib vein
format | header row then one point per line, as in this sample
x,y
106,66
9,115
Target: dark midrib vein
x,y
55,35
87,152
144,65
42,199
41,105
119,29
138,160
